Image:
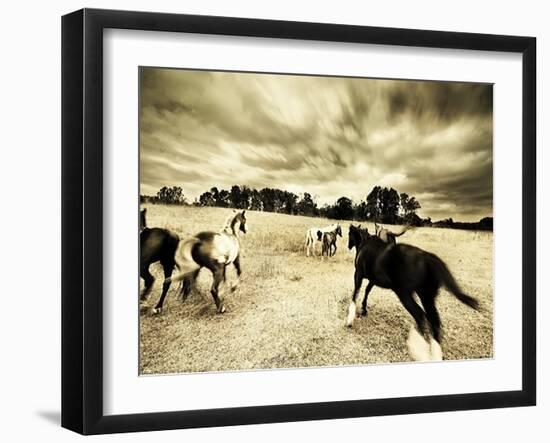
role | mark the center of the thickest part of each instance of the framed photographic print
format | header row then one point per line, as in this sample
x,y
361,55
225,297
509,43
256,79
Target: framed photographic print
x,y
269,221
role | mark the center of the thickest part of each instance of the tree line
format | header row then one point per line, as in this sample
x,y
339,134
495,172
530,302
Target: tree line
x,y
382,204
385,205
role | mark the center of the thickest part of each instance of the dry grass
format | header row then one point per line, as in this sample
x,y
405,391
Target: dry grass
x,y
290,310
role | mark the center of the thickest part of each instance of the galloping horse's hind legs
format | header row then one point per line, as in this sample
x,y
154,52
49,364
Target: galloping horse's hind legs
x,y
218,278
407,300
148,279
422,345
427,297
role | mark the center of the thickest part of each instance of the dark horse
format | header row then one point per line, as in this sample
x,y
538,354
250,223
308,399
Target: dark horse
x,y
328,240
212,250
404,269
156,245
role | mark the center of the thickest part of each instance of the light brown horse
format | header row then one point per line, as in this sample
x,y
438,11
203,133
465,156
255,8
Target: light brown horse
x,y
214,251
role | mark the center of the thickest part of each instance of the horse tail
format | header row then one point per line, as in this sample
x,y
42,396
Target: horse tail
x,y
184,259
405,229
450,283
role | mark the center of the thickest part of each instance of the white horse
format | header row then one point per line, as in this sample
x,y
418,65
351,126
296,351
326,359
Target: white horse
x,y
312,238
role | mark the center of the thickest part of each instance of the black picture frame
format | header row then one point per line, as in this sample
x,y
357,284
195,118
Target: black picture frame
x,y
82,220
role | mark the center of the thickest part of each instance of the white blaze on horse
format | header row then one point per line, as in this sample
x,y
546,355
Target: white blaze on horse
x,y
312,236
212,250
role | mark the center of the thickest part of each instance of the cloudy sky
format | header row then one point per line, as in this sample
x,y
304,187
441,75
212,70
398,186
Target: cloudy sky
x,y
330,137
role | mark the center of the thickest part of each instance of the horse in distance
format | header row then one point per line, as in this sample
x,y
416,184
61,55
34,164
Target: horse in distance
x,y
405,269
312,237
156,245
214,251
328,241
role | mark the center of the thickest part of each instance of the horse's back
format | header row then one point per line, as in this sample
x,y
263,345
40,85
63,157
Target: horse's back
x,y
217,246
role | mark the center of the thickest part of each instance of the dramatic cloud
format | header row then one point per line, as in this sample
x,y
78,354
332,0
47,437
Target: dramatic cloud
x,y
324,135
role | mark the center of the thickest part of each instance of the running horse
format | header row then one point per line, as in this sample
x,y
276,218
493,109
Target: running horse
x,y
156,245
214,251
312,236
405,269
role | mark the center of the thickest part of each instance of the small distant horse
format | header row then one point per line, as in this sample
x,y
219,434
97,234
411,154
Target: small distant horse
x,y
405,269
156,245
212,250
312,236
386,235
328,241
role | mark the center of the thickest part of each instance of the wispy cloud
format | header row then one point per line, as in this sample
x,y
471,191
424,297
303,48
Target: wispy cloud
x,y
324,135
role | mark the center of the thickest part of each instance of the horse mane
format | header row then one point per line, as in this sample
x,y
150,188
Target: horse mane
x,y
227,226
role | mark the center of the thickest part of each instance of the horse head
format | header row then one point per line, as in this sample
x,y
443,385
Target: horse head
x,y
354,236
241,217
339,230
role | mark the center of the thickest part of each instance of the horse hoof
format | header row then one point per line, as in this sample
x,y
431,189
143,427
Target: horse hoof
x,y
221,310
364,313
157,311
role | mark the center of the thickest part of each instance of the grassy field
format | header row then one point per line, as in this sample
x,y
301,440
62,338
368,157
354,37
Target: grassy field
x,y
290,310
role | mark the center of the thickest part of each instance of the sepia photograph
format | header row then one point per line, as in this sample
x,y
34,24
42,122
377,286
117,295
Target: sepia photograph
x,y
295,221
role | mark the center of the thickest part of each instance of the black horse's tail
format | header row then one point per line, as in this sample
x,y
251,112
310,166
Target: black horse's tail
x,y
450,283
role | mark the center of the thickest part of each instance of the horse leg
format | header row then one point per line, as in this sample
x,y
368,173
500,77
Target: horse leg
x,y
364,304
218,279
148,279
168,267
334,252
427,297
407,300
419,341
358,279
237,264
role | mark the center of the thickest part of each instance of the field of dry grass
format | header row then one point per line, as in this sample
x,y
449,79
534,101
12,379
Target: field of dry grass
x,y
290,310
